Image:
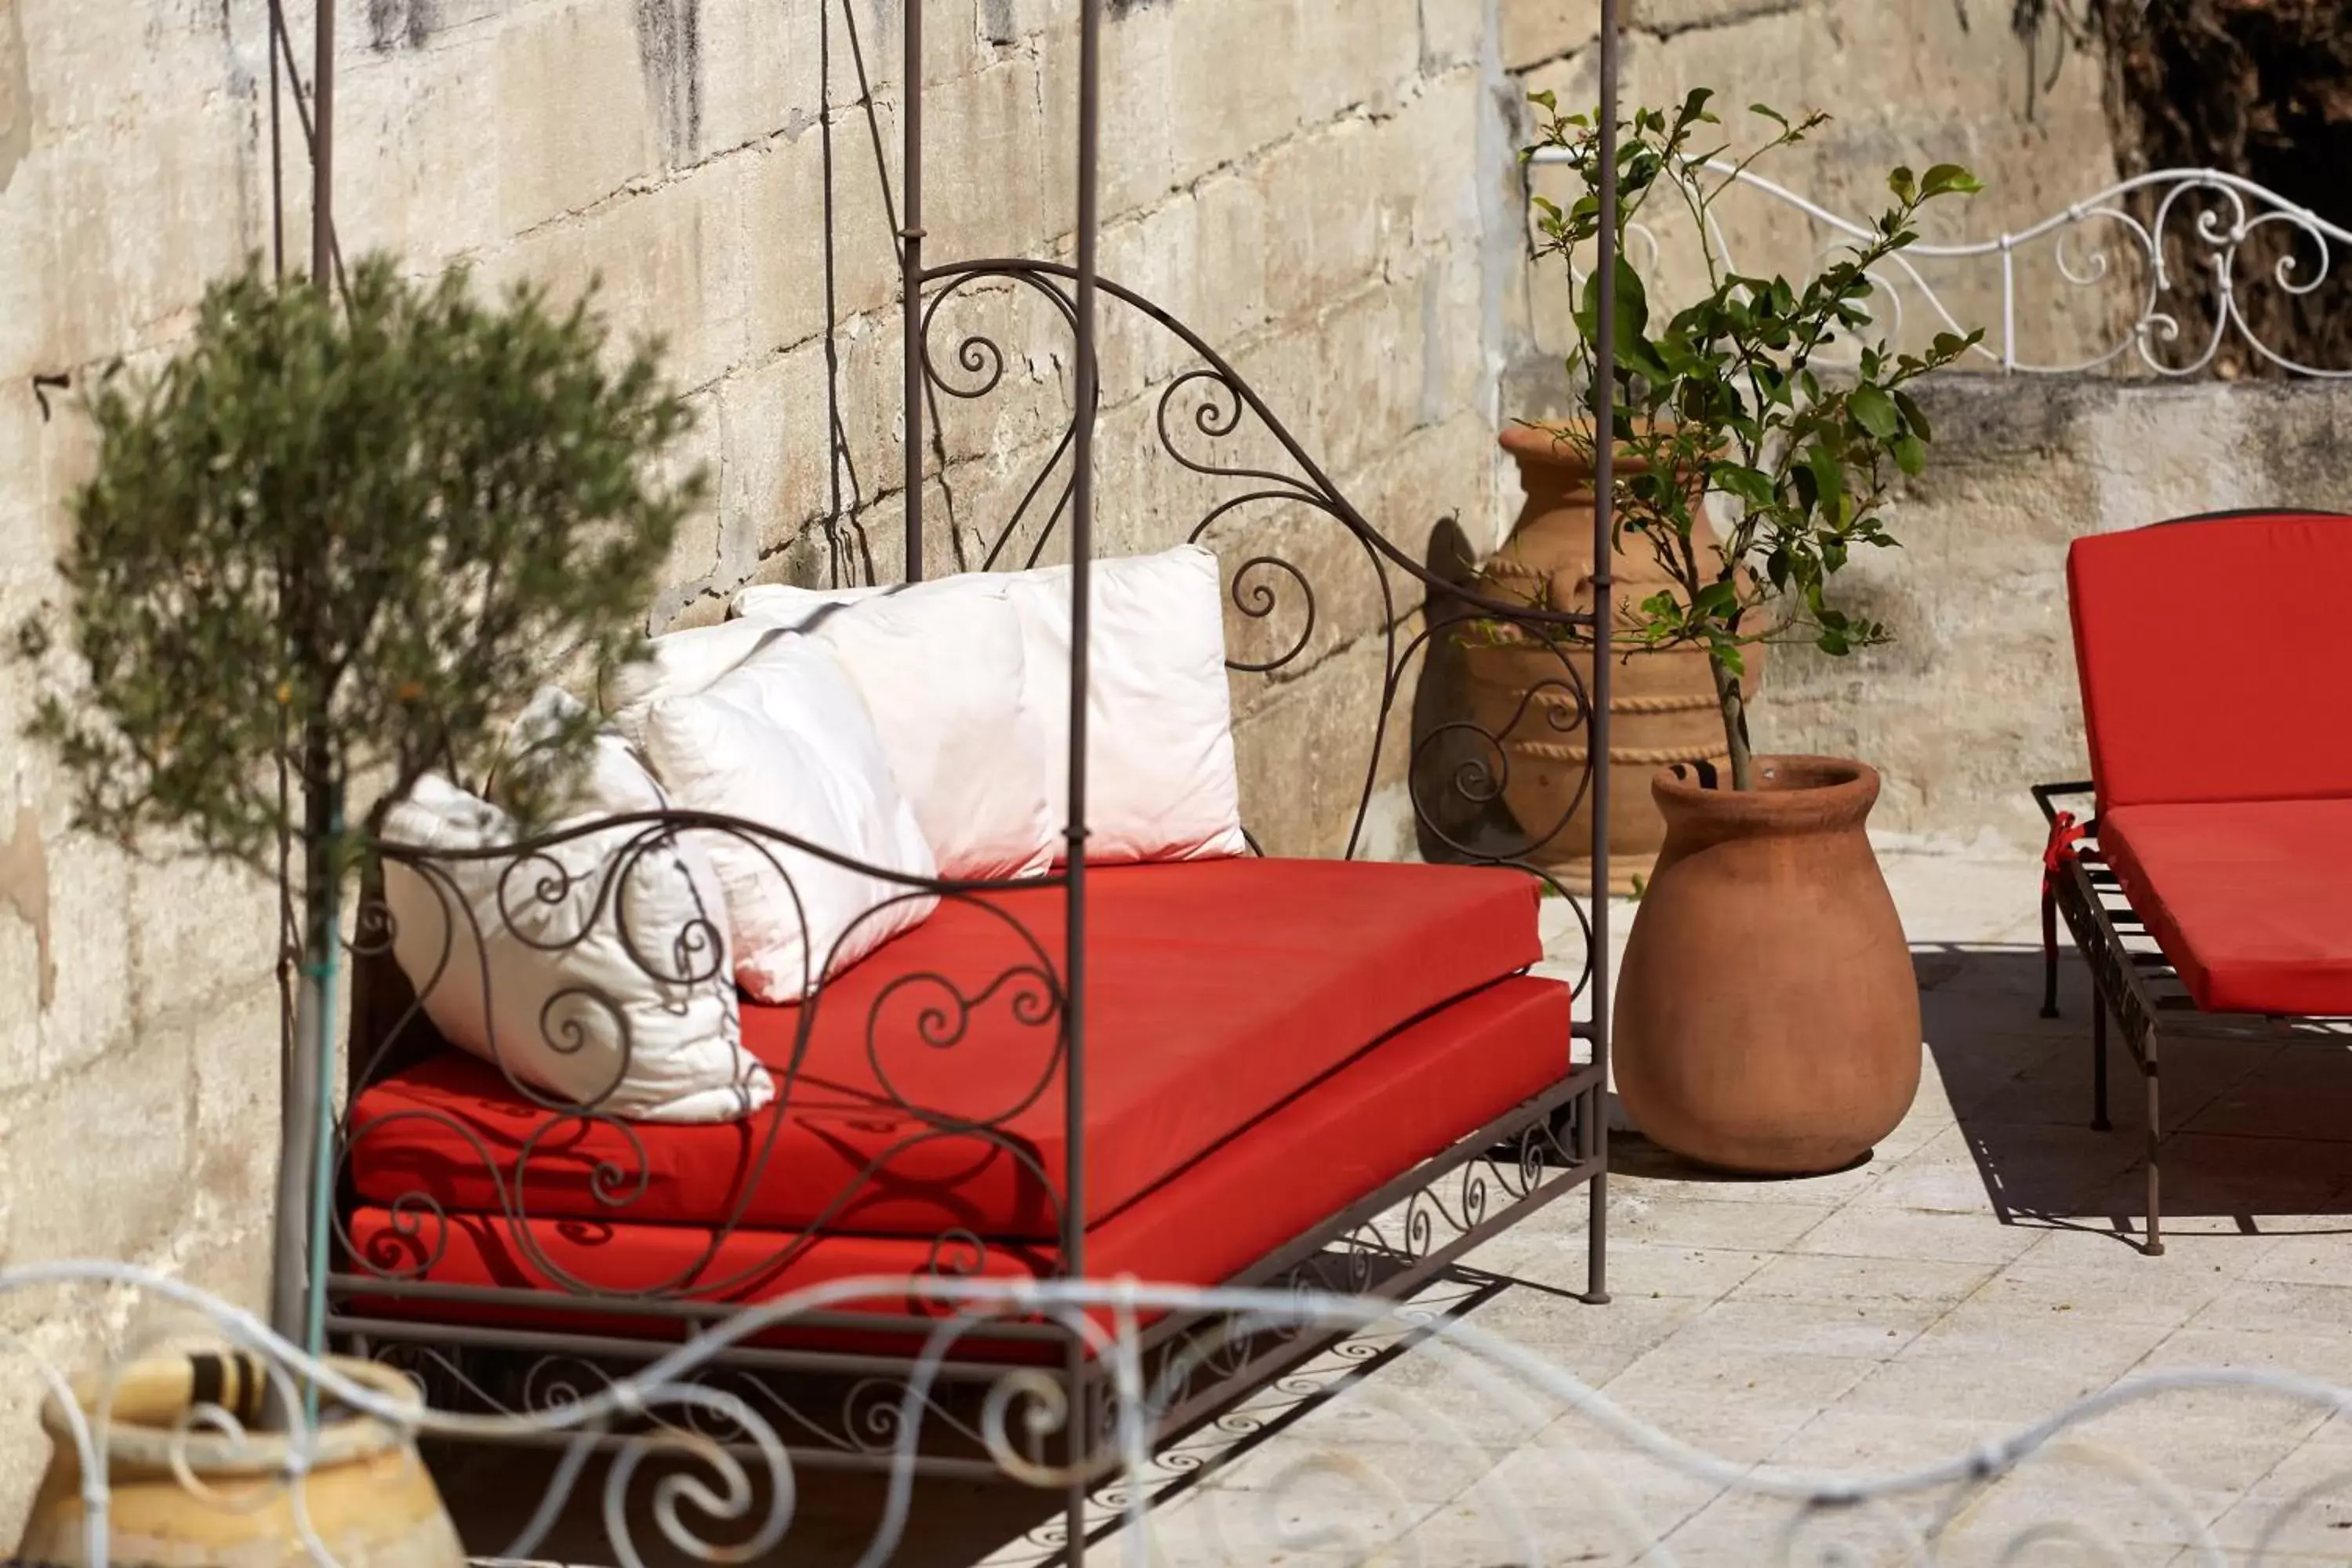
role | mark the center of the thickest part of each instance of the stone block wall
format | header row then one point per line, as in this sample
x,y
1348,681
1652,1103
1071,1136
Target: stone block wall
x,y
1976,699
1313,189
1913,84
138,1040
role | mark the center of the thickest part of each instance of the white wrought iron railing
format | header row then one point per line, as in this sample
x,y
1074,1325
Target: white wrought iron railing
x,y
2150,243
1486,1385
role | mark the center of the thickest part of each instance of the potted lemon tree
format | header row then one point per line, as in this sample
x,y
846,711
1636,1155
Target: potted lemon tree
x,y
1766,1016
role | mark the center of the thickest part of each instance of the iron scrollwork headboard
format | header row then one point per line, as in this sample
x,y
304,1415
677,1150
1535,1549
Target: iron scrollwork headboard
x,y
1308,575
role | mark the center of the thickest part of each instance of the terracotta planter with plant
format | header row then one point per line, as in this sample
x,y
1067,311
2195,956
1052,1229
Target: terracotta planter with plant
x,y
1766,1016
1662,700
182,1492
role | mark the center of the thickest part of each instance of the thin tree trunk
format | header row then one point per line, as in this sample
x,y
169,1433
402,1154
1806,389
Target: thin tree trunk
x,y
305,1080
1734,703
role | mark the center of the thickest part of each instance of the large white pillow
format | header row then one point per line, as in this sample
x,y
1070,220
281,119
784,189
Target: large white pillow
x,y
1160,781
596,971
943,671
784,741
676,664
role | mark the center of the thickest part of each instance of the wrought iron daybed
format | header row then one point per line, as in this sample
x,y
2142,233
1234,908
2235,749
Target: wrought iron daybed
x,y
2213,875
1253,1071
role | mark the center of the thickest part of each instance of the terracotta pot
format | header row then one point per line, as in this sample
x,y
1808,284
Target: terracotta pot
x,y
1767,1013
367,1496
1663,706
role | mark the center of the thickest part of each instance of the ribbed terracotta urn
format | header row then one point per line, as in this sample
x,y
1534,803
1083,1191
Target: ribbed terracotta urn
x,y
1522,690
183,1494
1768,1013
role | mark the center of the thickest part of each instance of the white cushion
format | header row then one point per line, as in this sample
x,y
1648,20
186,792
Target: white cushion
x,y
675,666
1160,781
942,669
784,741
595,971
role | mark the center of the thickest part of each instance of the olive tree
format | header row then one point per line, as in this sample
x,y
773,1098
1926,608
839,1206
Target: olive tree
x,y
340,539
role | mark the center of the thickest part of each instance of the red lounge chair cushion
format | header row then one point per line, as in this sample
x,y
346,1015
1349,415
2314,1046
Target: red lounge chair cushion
x,y
1432,1085
2205,673
1217,991
2252,901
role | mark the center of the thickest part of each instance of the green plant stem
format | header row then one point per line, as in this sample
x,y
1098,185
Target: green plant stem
x,y
1734,703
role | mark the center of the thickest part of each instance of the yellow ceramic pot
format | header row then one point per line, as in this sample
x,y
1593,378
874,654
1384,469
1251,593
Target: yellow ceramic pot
x,y
187,1496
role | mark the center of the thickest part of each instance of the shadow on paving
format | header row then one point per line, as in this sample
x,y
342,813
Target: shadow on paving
x,y
493,1494
2257,1126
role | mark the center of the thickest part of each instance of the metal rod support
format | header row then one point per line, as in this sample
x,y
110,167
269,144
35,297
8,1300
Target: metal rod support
x,y
911,284
322,153
2099,1122
1082,522
2154,1248
1605,605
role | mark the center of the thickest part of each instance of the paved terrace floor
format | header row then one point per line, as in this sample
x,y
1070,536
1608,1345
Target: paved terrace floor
x,y
1976,1275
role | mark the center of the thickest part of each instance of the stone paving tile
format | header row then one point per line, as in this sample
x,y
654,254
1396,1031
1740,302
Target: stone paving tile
x,y
1336,1517
2083,1494
1610,1519
1900,1233
2198,1077
2282,1307
1829,1278
1726,1373
2018,1168
1766,1331
1648,1267
2304,1506
2318,1257
1697,1218
2297,1091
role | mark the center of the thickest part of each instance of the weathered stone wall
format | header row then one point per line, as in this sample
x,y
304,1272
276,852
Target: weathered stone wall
x,y
1311,188
138,1033
1976,700
1914,83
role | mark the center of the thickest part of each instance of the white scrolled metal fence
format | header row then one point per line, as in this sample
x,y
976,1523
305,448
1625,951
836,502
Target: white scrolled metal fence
x,y
1928,1515
2161,239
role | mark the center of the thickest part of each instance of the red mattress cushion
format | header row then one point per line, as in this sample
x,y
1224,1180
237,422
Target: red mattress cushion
x,y
1217,991
2251,901
2202,681
1432,1085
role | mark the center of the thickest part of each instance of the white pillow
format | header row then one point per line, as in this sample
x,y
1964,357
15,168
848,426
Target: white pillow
x,y
1160,781
942,669
782,740
596,971
675,666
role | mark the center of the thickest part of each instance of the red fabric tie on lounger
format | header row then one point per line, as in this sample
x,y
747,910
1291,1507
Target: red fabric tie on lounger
x,y
2066,832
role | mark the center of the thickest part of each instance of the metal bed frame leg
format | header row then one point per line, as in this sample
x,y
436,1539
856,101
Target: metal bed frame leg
x,y
2154,1248
2049,953
2099,1122
1596,1262
1080,1451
